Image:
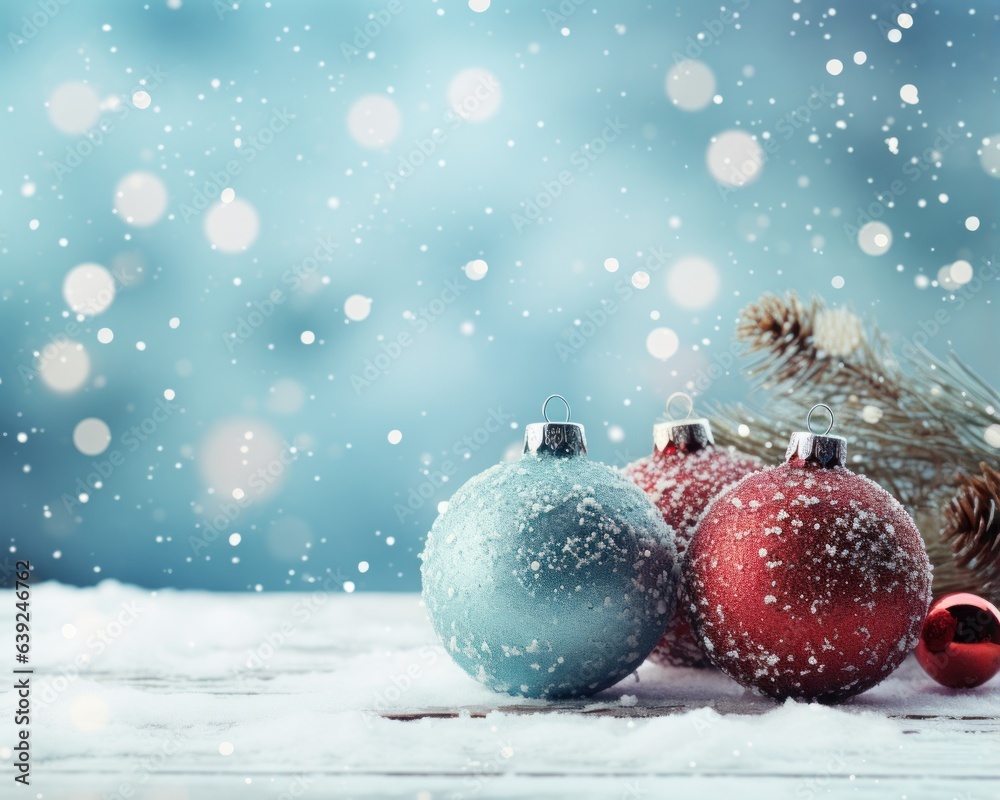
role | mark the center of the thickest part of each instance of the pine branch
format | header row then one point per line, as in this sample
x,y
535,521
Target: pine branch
x,y
865,381
765,434
798,343
961,395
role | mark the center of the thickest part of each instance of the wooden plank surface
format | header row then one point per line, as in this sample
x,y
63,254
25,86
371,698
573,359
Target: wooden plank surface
x,y
356,699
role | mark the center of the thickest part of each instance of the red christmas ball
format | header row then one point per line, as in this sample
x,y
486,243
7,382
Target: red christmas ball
x,y
960,641
681,477
806,580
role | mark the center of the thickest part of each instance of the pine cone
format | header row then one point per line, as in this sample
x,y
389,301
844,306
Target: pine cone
x,y
775,323
837,332
781,329
972,525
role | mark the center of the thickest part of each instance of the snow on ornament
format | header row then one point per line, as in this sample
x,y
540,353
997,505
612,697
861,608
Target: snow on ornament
x,y
552,575
806,580
684,473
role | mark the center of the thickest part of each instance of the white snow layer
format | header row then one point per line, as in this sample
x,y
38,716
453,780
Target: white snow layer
x,y
197,694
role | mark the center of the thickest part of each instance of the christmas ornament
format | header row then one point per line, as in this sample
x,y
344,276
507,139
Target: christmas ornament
x,y
806,580
551,576
936,449
960,641
681,477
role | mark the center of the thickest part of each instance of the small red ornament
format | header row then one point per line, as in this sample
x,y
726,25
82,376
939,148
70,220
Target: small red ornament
x,y
806,580
684,473
960,641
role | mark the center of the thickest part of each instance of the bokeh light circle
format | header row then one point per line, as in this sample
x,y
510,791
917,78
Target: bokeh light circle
x,y
476,269
875,238
74,107
246,455
908,94
232,227
734,158
357,307
662,343
475,94
63,365
693,282
961,272
287,396
140,199
374,121
91,436
690,85
989,156
88,289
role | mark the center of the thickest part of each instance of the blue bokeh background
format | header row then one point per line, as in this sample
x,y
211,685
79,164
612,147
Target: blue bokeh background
x,y
460,364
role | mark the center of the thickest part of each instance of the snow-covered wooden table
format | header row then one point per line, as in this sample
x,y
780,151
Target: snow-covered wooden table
x,y
196,695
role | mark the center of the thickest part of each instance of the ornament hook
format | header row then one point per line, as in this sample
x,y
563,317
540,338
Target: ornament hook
x,y
553,397
680,396
809,418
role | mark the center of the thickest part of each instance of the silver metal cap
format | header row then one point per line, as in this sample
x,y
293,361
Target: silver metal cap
x,y
686,435
818,448
827,451
682,436
555,438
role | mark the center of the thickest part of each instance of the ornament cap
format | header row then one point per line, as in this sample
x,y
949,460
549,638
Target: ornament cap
x,y
818,448
682,436
687,435
555,438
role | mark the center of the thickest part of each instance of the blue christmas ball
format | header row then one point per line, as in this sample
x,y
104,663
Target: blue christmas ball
x,y
551,576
